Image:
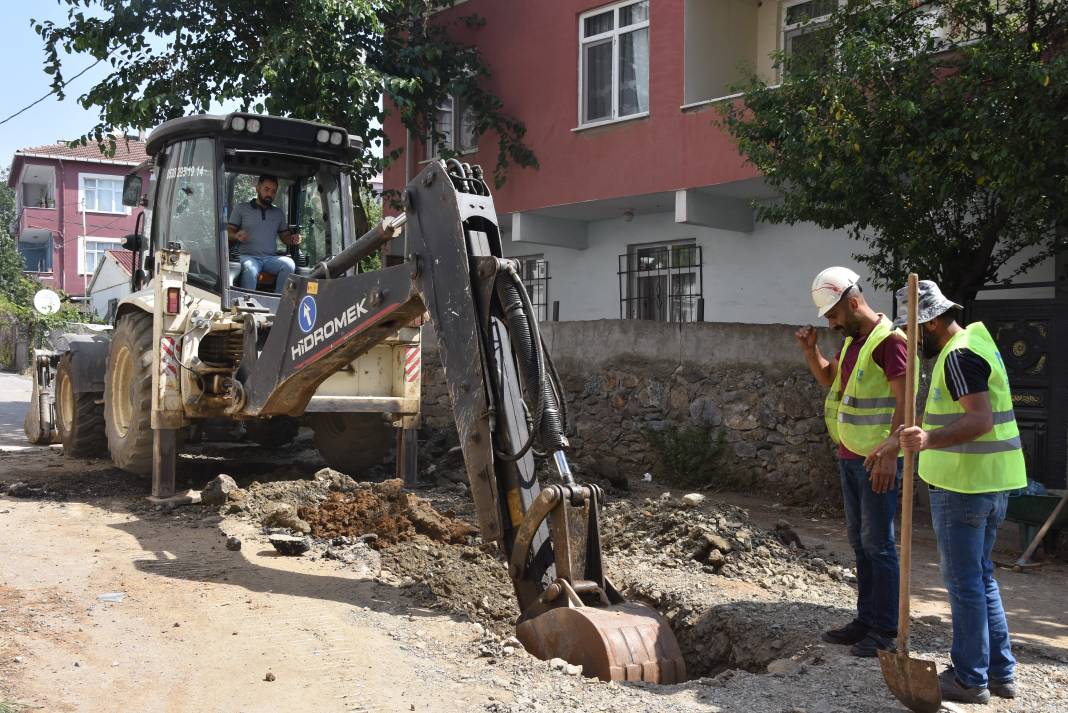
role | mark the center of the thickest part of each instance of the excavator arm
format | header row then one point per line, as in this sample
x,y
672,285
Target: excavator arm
x,y
507,402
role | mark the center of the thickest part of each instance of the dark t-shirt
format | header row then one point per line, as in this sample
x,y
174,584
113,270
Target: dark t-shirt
x,y
892,356
966,373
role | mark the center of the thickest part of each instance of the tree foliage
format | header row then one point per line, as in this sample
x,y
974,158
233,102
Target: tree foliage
x,y
323,60
934,132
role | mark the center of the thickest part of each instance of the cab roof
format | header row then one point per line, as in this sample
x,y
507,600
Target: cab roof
x,y
276,132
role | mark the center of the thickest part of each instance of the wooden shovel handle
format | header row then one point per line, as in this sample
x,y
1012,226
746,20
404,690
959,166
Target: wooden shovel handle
x,y
910,472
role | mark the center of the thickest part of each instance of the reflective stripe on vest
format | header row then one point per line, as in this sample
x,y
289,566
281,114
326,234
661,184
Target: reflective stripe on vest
x,y
833,402
992,462
867,408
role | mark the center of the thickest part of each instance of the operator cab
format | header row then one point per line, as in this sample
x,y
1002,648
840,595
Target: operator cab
x,y
203,166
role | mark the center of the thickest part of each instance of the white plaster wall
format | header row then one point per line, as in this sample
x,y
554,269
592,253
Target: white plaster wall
x,y
111,283
1043,272
721,37
763,277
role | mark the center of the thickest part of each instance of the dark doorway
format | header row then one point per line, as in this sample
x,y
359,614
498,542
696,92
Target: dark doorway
x,y
1032,336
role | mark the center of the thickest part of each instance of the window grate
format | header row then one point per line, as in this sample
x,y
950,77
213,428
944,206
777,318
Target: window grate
x,y
535,275
662,283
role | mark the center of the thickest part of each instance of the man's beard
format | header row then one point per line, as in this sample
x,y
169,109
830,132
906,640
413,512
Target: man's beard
x,y
850,327
928,345
266,200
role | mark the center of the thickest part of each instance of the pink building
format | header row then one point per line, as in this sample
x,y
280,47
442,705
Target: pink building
x,y
642,205
69,209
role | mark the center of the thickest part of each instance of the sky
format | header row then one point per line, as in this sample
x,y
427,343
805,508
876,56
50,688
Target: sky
x,y
22,52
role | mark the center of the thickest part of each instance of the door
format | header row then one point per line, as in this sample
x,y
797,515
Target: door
x,y
1032,336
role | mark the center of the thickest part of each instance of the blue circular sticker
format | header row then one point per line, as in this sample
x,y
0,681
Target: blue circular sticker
x,y
306,314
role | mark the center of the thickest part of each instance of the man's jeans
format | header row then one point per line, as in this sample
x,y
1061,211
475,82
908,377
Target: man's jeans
x,y
870,523
966,526
252,266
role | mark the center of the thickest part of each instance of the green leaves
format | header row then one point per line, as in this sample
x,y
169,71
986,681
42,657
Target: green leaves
x,y
322,60
943,163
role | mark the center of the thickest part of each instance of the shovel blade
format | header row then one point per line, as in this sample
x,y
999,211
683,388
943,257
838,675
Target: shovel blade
x,y
624,642
914,682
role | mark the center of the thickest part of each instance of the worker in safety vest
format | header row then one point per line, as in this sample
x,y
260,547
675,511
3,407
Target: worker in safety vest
x,y
970,458
863,410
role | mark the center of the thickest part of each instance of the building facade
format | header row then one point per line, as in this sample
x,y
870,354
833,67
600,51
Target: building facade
x,y
69,209
111,281
642,205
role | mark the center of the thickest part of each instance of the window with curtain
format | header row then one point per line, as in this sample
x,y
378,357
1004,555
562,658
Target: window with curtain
x,y
101,194
457,128
614,64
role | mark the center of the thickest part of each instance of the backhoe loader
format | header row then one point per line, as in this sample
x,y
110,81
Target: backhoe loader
x,y
188,345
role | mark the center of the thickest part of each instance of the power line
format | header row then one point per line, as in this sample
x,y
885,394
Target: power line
x,y
30,106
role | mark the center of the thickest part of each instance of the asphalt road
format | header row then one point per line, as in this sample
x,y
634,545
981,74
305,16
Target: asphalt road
x,y
14,398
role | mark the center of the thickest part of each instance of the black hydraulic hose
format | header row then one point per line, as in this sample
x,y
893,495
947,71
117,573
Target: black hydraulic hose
x,y
525,351
549,416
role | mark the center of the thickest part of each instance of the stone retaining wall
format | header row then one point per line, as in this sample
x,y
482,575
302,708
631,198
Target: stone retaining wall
x,y
745,386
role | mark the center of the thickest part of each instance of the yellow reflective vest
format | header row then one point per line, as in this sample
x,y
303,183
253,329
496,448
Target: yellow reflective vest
x,y
859,415
992,462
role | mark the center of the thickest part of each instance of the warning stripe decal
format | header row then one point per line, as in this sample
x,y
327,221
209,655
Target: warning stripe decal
x,y
412,363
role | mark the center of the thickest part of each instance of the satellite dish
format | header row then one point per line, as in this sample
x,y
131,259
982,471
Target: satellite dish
x,y
46,302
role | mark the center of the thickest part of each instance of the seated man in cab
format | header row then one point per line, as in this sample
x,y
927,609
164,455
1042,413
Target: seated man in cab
x,y
258,226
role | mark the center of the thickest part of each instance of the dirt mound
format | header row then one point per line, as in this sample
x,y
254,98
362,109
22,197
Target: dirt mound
x,y
460,579
385,510
717,539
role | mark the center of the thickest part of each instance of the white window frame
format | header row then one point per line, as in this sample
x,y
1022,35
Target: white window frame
x,y
614,34
455,144
124,210
810,25
83,241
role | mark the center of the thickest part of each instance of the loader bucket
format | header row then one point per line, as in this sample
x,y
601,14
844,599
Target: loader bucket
x,y
623,642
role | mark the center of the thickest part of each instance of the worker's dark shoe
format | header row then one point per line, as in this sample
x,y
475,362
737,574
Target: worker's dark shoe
x,y
849,634
869,646
954,690
1006,689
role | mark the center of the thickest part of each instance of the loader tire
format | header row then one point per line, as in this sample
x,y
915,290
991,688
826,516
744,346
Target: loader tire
x,y
128,394
352,443
79,418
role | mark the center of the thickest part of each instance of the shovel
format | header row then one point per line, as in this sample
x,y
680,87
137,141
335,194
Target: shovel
x,y
914,682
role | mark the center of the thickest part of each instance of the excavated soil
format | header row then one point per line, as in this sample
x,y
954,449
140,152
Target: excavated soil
x,y
388,512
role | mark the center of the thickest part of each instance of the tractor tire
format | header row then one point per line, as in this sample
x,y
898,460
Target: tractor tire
x,y
79,418
352,443
275,432
128,394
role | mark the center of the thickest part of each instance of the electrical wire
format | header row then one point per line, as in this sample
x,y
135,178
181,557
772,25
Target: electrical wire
x,y
54,91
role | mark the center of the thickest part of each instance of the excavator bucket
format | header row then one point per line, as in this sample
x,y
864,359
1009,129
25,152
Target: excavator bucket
x,y
580,617
623,642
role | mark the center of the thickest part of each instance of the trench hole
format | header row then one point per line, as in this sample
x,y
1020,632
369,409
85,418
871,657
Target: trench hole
x,y
740,635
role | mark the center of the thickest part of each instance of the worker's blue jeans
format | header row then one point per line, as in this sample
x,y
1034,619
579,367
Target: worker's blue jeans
x,y
870,524
966,527
253,265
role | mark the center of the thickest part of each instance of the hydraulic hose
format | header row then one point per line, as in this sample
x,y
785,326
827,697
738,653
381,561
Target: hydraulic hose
x,y
548,417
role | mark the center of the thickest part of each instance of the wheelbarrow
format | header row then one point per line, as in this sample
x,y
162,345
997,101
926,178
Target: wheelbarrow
x,y
1035,515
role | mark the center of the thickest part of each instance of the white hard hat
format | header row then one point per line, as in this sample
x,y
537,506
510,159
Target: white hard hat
x,y
830,286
